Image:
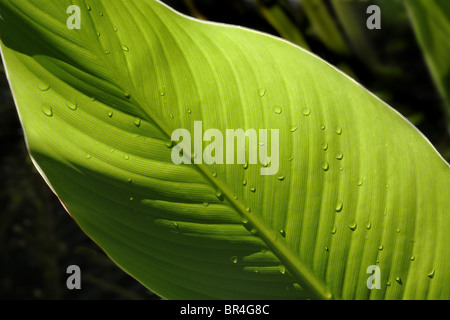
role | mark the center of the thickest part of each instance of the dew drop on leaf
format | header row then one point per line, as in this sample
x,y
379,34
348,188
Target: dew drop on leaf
x,y
253,189
88,7
72,106
88,156
281,177
360,182
126,157
244,182
125,48
412,258
306,112
333,231
325,146
368,225
44,87
294,128
339,155
380,247
220,196
339,206
325,166
137,122
47,110
338,130
399,280
277,110
110,114
262,92
283,233
234,259
353,226
431,274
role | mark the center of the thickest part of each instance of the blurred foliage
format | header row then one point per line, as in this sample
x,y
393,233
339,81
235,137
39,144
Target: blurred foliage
x,y
38,239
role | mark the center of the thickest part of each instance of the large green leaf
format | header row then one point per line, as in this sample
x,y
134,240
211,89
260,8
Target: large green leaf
x,y
431,21
357,184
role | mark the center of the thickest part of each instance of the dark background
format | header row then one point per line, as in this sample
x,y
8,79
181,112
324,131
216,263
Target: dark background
x,y
39,240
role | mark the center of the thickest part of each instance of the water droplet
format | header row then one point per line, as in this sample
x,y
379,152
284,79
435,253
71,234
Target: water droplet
x,y
189,111
248,209
306,112
399,280
277,110
341,168
333,231
205,204
130,180
353,226
175,224
294,128
235,196
137,122
262,92
47,110
431,274
360,182
326,249
253,189
412,258
282,269
244,182
388,284
280,177
398,230
72,106
325,166
325,146
291,158
107,52
245,165
234,259
110,114
368,225
322,127
162,92
339,155
387,186
88,7
171,116
169,144
126,157
338,131
98,34
339,206
44,87
220,196
131,198
380,247
283,233
127,95
115,29
125,48
101,14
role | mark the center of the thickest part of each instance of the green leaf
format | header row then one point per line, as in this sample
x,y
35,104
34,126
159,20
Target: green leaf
x,y
357,184
431,21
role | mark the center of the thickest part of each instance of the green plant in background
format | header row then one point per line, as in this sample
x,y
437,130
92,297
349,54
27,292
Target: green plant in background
x,y
357,184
